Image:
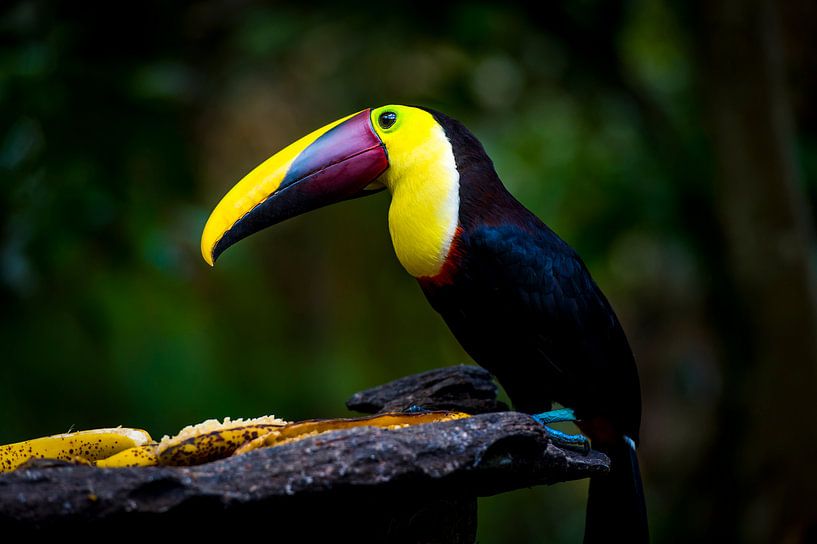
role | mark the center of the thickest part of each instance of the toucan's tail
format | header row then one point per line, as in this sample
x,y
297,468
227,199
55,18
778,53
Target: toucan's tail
x,y
615,503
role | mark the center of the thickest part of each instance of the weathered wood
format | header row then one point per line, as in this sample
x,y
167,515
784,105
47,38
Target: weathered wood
x,y
415,484
467,388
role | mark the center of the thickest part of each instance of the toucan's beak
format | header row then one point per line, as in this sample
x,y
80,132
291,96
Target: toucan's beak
x,y
334,163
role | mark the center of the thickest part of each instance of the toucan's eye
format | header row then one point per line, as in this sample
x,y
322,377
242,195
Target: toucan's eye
x,y
387,119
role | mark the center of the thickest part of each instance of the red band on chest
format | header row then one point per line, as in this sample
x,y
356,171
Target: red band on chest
x,y
452,261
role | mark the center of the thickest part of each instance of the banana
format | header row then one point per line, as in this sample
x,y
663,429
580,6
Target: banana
x,y
304,429
213,440
89,445
195,444
138,456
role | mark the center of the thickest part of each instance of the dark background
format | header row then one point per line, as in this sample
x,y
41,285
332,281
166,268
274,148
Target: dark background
x,y
673,144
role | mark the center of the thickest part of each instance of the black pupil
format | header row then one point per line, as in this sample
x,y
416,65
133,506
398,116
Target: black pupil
x,y
387,119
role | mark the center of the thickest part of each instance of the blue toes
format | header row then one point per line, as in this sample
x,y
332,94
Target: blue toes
x,y
570,441
555,416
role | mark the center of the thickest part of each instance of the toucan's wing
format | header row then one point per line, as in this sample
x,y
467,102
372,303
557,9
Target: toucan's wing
x,y
540,277
539,284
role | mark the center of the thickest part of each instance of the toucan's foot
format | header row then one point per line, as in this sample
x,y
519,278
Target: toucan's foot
x,y
414,409
576,442
555,416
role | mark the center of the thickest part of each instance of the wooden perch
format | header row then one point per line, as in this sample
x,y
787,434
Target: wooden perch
x,y
467,388
415,484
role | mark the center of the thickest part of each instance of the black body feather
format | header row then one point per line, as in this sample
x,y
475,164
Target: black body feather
x,y
524,306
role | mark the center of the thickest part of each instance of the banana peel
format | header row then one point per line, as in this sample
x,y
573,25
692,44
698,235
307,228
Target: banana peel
x,y
197,444
305,429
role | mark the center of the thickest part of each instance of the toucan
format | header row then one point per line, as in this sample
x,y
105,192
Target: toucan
x,y
518,298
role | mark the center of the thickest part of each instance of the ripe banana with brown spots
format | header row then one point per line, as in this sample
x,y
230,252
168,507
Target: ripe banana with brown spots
x,y
212,440
196,444
138,456
91,445
305,429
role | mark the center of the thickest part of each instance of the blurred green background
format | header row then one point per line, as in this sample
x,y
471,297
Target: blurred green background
x,y
673,144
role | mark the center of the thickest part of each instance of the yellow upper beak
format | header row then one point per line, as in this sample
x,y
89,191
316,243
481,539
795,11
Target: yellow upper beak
x,y
253,189
332,163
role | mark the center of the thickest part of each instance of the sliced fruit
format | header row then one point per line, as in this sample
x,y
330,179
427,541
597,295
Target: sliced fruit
x,y
213,440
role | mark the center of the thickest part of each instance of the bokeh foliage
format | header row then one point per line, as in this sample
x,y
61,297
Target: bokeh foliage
x,y
119,132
